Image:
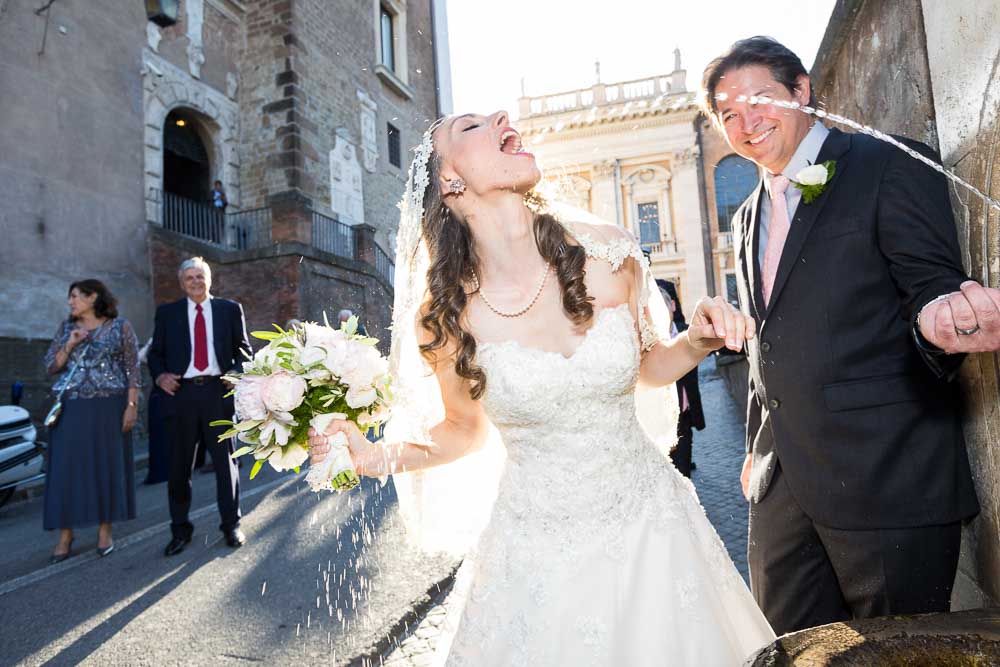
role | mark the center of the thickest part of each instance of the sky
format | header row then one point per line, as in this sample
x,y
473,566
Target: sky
x,y
553,43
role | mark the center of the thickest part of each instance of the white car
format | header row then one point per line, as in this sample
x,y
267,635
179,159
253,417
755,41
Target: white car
x,y
22,458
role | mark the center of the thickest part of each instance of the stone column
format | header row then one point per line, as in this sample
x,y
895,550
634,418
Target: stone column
x,y
291,217
688,223
602,194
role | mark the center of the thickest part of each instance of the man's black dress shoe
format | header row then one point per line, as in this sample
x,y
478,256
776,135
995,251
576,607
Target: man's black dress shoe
x,y
235,538
177,545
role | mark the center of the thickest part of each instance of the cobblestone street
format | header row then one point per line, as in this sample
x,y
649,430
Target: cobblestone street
x,y
718,453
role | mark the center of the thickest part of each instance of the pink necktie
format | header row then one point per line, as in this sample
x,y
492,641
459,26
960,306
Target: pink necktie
x,y
777,232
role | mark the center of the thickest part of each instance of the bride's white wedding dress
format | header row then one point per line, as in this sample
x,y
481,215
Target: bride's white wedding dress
x,y
597,551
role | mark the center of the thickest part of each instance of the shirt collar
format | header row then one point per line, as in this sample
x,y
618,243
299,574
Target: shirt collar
x,y
206,302
804,155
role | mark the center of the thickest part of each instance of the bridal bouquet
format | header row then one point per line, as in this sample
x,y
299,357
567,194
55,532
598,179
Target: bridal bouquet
x,y
305,378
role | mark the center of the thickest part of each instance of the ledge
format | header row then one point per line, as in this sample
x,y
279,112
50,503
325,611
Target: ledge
x,y
396,84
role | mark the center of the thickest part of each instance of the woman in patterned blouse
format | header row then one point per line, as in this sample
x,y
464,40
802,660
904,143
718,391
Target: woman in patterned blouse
x,y
90,478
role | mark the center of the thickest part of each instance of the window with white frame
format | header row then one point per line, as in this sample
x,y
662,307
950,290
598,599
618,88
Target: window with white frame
x,y
388,40
390,45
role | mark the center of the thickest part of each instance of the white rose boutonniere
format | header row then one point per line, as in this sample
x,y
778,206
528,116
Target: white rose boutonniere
x,y
813,179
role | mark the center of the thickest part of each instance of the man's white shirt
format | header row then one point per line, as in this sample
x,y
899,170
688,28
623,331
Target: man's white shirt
x,y
213,363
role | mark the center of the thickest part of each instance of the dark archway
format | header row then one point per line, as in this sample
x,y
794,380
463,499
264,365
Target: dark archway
x,y
187,169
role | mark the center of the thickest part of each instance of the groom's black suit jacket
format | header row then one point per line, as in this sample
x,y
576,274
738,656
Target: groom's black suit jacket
x,y
862,418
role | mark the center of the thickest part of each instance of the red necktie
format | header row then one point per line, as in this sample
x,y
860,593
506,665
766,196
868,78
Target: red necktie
x,y
200,341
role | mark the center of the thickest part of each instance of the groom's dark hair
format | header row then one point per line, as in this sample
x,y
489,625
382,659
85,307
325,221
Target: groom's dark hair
x,y
784,65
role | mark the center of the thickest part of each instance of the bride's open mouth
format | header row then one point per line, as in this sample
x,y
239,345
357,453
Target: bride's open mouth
x,y
510,143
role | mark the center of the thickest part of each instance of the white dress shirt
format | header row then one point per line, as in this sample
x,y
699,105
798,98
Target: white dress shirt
x,y
213,363
805,155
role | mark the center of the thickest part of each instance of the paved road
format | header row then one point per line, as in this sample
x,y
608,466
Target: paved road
x,y
718,452
321,578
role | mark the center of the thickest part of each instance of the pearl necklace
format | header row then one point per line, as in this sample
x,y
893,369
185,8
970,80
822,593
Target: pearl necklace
x,y
541,285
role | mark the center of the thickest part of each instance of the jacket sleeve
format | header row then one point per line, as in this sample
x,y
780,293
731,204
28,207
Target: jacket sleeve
x,y
917,235
156,359
241,341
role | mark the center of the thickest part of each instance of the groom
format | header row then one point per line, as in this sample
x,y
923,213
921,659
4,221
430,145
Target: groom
x,y
856,470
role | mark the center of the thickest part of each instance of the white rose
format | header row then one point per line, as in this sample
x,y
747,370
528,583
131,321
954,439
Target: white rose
x,y
364,366
288,457
337,356
248,400
283,392
813,175
317,335
312,355
360,398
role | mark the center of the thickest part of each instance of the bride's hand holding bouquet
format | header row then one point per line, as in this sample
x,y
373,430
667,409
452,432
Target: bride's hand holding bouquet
x,y
300,383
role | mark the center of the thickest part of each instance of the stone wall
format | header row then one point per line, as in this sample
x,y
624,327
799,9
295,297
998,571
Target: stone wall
x,y
931,71
275,284
71,161
303,84
963,52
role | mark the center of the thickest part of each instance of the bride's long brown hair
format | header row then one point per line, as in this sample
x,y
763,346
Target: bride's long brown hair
x,y
454,264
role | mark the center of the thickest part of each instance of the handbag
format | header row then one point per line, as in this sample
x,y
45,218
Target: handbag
x,y
52,417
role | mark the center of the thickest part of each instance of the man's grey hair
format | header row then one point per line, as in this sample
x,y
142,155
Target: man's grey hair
x,y
344,314
195,263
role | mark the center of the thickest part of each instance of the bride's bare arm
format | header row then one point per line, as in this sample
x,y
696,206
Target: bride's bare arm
x,y
462,431
715,324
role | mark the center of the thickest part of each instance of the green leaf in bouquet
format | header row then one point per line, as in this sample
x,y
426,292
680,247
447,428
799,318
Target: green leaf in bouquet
x,y
247,425
266,335
350,327
241,451
228,434
296,469
256,467
221,422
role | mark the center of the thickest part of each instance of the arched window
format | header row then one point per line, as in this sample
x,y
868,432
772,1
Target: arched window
x,y
735,179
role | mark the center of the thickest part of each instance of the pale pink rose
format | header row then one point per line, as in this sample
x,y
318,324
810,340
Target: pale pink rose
x,y
283,392
288,457
364,367
248,400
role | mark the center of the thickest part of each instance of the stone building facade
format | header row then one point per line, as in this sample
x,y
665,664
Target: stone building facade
x,y
115,129
929,71
639,153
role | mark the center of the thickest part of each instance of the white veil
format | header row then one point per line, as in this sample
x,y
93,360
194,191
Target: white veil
x,y
445,508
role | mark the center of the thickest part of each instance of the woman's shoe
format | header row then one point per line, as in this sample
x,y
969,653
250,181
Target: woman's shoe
x,y
58,558
106,550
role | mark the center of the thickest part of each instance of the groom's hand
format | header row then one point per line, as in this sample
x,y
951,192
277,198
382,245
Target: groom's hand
x,y
963,322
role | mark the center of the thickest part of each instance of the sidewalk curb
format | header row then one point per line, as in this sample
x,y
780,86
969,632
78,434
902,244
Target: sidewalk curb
x,y
373,655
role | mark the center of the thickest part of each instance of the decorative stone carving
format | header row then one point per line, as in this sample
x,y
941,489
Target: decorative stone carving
x,y
195,49
685,157
606,168
346,189
232,84
369,137
153,36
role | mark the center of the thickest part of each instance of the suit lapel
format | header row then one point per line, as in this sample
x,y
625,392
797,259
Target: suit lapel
x,y
837,144
752,245
217,326
185,334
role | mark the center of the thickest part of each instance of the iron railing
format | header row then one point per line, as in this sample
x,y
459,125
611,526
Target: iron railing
x,y
241,230
384,266
244,230
333,236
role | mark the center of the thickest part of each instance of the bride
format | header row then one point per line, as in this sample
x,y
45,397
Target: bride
x,y
596,550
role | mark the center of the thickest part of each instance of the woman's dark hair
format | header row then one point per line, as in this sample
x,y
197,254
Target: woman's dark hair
x,y
453,265
105,305
784,65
